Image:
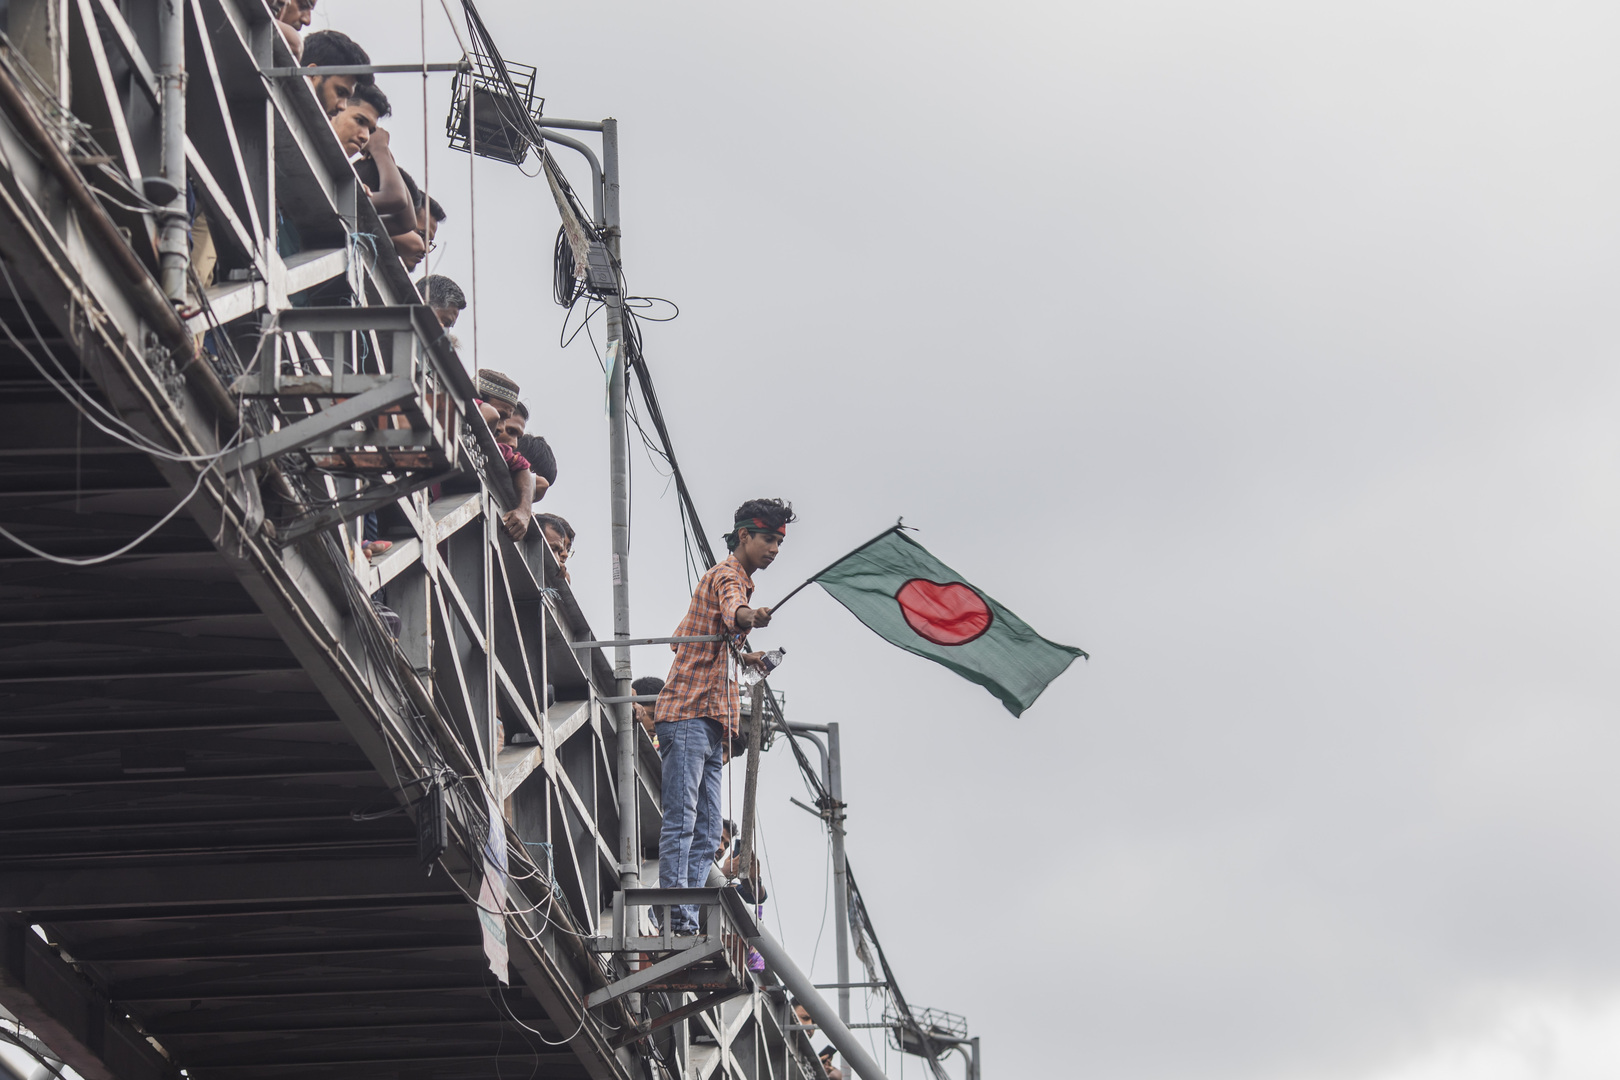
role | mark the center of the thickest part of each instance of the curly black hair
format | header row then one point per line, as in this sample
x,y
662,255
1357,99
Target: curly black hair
x,y
372,95
773,512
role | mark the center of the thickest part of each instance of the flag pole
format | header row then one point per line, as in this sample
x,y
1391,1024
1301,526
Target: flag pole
x,y
896,527
756,735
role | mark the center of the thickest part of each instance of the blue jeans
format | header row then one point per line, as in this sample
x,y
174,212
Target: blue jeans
x,y
692,753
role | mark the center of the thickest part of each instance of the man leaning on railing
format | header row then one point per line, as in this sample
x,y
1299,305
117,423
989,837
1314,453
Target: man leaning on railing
x,y
329,48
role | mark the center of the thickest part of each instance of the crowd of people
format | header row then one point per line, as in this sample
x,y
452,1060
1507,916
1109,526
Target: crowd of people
x,y
356,107
693,717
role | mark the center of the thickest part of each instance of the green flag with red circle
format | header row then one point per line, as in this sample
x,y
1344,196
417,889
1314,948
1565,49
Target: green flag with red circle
x,y
907,596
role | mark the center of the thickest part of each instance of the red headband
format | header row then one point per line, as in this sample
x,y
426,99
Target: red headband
x,y
758,525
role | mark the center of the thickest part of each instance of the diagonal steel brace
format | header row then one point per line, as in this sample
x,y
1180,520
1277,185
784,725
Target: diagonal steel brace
x,y
702,1004
358,505
322,423
667,966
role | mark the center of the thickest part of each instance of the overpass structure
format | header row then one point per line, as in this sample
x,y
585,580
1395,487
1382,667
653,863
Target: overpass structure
x,y
270,807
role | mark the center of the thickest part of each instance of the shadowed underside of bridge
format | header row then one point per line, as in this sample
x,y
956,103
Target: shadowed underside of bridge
x,y
186,819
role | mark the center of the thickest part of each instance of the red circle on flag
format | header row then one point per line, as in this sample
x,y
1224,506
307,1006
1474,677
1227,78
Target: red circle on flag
x,y
948,613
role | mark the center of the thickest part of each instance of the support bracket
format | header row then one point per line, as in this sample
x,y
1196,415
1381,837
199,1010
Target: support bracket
x,y
655,973
691,1008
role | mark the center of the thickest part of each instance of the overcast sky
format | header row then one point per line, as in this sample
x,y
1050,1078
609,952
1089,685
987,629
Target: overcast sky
x,y
1264,350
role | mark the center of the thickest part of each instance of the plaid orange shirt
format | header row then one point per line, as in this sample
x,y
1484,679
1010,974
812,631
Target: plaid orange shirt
x,y
703,680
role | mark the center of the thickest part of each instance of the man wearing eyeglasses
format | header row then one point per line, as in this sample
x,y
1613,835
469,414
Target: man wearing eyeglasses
x,y
419,243
415,242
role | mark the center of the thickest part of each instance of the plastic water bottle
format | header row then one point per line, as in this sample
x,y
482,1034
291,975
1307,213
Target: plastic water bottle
x,y
751,675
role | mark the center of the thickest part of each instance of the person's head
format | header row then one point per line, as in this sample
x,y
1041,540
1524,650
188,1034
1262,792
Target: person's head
x,y
422,244
559,535
512,427
802,1013
497,388
354,125
327,48
542,462
728,833
758,528
411,248
491,416
445,298
431,215
648,686
511,430
298,13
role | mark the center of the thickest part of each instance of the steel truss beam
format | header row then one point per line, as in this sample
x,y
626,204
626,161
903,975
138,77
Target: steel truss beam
x,y
65,1010
252,883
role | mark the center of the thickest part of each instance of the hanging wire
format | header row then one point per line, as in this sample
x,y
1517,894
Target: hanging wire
x,y
826,895
68,385
860,920
472,209
63,560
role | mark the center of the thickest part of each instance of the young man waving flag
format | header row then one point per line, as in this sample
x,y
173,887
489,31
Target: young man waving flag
x,y
699,705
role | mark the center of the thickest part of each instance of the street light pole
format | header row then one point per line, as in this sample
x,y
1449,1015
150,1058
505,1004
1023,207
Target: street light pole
x,y
619,467
173,238
832,778
835,822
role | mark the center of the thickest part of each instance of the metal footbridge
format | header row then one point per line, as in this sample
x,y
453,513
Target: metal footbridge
x,y
270,808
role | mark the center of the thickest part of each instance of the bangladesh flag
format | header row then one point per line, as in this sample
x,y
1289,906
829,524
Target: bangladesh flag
x,y
894,586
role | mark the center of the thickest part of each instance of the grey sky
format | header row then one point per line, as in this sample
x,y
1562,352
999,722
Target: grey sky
x,y
1265,350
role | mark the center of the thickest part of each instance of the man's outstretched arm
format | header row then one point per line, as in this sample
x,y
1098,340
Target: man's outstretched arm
x,y
517,521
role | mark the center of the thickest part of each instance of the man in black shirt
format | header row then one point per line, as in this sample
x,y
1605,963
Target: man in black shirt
x,y
533,447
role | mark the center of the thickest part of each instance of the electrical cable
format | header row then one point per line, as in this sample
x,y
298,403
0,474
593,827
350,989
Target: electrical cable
x,y
471,809
826,895
564,1042
565,339
63,560
493,993
565,287
485,49
133,439
106,196
770,874
857,904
